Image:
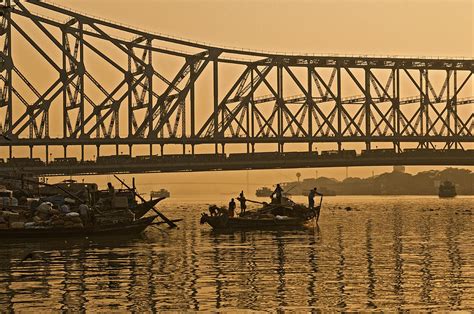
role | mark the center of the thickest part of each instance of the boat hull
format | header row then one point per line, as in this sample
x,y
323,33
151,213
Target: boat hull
x,y
121,229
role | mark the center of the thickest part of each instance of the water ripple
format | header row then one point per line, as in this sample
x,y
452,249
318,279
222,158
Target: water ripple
x,y
384,255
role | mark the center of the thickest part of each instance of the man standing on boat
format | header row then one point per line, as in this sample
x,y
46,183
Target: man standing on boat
x,y
231,208
278,194
242,201
311,196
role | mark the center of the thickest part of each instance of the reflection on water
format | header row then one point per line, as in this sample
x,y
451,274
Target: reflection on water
x,y
387,253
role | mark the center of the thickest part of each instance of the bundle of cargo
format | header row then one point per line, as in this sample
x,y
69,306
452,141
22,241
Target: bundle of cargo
x,y
3,223
73,220
44,212
12,220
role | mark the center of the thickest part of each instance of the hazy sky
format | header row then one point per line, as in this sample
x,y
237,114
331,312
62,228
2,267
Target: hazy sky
x,y
416,28
390,27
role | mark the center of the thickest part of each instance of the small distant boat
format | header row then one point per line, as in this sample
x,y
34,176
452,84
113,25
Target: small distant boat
x,y
160,193
447,189
263,192
267,192
324,191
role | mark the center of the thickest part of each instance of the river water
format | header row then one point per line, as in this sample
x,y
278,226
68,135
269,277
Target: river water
x,y
386,253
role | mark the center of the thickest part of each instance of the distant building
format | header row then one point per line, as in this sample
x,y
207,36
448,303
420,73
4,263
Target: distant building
x,y
400,169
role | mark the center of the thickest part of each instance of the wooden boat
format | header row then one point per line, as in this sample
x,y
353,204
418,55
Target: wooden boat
x,y
112,230
159,194
269,217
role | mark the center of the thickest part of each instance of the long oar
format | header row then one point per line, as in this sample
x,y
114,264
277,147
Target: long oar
x,y
256,202
169,222
319,210
163,222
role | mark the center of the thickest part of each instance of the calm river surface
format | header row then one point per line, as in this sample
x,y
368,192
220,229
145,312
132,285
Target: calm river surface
x,y
386,253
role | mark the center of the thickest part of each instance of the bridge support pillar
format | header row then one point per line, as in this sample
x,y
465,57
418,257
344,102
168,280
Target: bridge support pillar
x,y
97,151
339,146
223,148
280,147
31,151
151,150
130,149
10,151
116,149
82,153
46,149
253,148
192,149
65,151
184,149
162,149
367,145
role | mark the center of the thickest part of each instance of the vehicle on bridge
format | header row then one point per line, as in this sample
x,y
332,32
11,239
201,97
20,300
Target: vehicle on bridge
x,y
380,152
263,156
113,159
419,152
329,154
24,162
66,161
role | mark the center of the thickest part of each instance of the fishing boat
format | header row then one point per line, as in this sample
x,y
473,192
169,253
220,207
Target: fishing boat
x,y
447,189
287,215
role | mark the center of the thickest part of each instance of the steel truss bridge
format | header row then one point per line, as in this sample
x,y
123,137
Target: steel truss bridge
x,y
71,80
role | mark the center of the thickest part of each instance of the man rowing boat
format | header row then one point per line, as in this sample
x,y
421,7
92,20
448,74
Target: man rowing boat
x,y
311,196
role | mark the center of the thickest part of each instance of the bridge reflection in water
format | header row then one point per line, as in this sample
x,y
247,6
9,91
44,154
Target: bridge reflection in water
x,y
385,254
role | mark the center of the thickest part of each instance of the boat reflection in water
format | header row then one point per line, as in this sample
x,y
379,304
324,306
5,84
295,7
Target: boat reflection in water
x,y
400,255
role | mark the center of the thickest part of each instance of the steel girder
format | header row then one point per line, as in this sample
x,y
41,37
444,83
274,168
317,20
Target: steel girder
x,y
274,98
